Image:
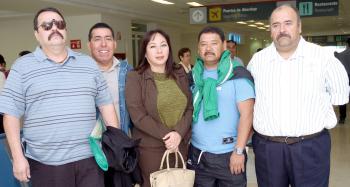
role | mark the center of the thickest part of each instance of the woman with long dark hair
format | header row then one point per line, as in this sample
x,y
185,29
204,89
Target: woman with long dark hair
x,y
159,101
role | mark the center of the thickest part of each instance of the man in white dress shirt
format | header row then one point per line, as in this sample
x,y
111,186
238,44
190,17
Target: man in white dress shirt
x,y
296,83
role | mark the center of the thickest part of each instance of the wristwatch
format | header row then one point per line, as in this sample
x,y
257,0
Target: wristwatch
x,y
238,151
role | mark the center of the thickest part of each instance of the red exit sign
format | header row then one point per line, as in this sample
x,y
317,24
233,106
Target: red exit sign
x,y
75,44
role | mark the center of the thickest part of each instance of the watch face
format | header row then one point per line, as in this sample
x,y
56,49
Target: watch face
x,y
238,151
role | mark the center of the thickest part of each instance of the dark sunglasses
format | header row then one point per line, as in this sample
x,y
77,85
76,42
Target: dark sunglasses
x,y
48,25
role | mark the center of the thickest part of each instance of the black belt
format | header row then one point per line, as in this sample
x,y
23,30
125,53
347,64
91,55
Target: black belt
x,y
287,139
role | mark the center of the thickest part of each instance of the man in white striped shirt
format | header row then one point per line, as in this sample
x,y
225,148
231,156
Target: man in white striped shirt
x,y
296,83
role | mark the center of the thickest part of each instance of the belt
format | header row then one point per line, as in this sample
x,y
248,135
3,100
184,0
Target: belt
x,y
287,139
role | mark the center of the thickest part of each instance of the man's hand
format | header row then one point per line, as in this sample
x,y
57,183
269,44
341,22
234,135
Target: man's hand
x,y
237,163
172,140
21,169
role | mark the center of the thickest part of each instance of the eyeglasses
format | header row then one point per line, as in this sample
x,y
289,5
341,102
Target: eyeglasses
x,y
48,25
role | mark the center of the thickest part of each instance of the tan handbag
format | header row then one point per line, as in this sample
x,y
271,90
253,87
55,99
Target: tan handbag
x,y
172,177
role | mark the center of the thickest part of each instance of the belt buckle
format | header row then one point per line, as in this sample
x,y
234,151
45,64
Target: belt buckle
x,y
292,140
286,140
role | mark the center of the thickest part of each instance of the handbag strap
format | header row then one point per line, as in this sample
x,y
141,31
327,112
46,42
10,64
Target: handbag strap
x,y
161,162
166,155
176,159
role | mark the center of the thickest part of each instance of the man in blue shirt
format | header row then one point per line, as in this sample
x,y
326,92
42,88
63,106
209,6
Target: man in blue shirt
x,y
223,97
102,45
56,91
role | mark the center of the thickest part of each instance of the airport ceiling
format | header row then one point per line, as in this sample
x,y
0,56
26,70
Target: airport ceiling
x,y
177,14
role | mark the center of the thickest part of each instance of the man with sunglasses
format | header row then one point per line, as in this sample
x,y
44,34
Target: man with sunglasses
x,y
56,90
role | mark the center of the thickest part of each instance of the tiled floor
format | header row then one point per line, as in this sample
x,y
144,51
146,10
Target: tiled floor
x,y
340,158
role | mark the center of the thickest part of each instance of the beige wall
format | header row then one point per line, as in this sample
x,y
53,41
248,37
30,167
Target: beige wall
x,y
17,35
123,25
78,29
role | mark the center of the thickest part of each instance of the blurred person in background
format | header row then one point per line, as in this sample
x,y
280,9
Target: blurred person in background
x,y
184,55
232,47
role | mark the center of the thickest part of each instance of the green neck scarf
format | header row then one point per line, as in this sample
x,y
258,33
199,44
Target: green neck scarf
x,y
205,90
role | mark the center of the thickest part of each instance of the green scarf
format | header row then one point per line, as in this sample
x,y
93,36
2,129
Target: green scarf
x,y
206,89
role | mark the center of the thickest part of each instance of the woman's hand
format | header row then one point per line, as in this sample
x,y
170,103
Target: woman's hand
x,y
172,140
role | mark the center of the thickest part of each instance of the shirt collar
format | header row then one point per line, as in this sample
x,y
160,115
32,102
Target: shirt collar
x,y
188,67
41,56
298,53
115,65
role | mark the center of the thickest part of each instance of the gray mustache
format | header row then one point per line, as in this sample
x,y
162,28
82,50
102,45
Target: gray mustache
x,y
283,35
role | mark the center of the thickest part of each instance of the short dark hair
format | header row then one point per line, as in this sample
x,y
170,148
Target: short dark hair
x,y
210,29
100,25
22,53
48,9
182,51
143,63
231,41
2,59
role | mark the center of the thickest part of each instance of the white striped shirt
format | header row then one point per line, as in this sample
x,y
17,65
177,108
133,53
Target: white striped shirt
x,y
295,97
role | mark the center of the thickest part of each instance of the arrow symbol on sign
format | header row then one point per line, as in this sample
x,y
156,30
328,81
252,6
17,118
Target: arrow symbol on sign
x,y
197,15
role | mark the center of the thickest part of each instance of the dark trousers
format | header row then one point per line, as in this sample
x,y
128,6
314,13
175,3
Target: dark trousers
x,y
213,169
82,173
342,112
1,124
303,164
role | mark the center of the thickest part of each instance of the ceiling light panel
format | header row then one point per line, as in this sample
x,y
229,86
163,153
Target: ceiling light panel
x,y
193,3
163,2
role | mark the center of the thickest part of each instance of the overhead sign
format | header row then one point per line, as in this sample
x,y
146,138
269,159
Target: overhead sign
x,y
260,10
198,15
215,14
243,12
318,8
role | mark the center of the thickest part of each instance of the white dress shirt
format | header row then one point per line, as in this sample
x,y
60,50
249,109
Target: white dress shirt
x,y
295,97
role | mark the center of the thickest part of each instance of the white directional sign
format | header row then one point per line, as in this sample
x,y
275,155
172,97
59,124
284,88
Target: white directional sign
x,y
198,15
